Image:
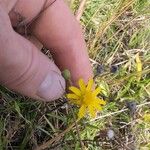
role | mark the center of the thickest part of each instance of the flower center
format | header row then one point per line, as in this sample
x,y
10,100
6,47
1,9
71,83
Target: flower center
x,y
87,98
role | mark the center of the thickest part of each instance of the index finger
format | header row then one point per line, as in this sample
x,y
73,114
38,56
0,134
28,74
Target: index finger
x,y
59,31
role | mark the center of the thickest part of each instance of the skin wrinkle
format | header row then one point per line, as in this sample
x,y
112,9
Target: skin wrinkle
x,y
22,23
4,57
27,76
14,81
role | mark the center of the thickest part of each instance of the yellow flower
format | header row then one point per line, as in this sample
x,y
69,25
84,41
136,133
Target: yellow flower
x,y
86,98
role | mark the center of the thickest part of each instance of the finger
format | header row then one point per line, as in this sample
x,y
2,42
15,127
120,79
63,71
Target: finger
x,y
60,32
25,69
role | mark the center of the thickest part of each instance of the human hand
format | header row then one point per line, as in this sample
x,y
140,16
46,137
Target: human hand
x,y
23,68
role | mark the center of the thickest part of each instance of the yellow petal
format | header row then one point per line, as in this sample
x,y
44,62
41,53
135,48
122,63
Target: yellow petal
x,y
72,96
75,90
138,66
97,91
82,112
90,84
100,101
92,111
139,63
82,85
98,107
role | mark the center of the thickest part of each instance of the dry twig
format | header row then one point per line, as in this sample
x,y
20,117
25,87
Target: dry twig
x,y
80,10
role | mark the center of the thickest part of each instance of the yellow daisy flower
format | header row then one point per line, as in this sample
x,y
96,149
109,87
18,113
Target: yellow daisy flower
x,y
86,98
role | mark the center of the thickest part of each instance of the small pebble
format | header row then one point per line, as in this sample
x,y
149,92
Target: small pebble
x,y
110,134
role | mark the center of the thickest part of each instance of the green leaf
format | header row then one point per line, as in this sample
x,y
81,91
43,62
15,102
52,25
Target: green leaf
x,y
17,108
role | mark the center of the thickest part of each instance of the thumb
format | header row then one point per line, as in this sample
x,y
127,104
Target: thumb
x,y
23,68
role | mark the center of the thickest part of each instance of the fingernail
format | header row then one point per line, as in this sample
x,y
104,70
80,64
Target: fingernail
x,y
52,87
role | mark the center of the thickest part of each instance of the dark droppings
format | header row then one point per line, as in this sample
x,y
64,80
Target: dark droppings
x,y
99,69
113,69
132,106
